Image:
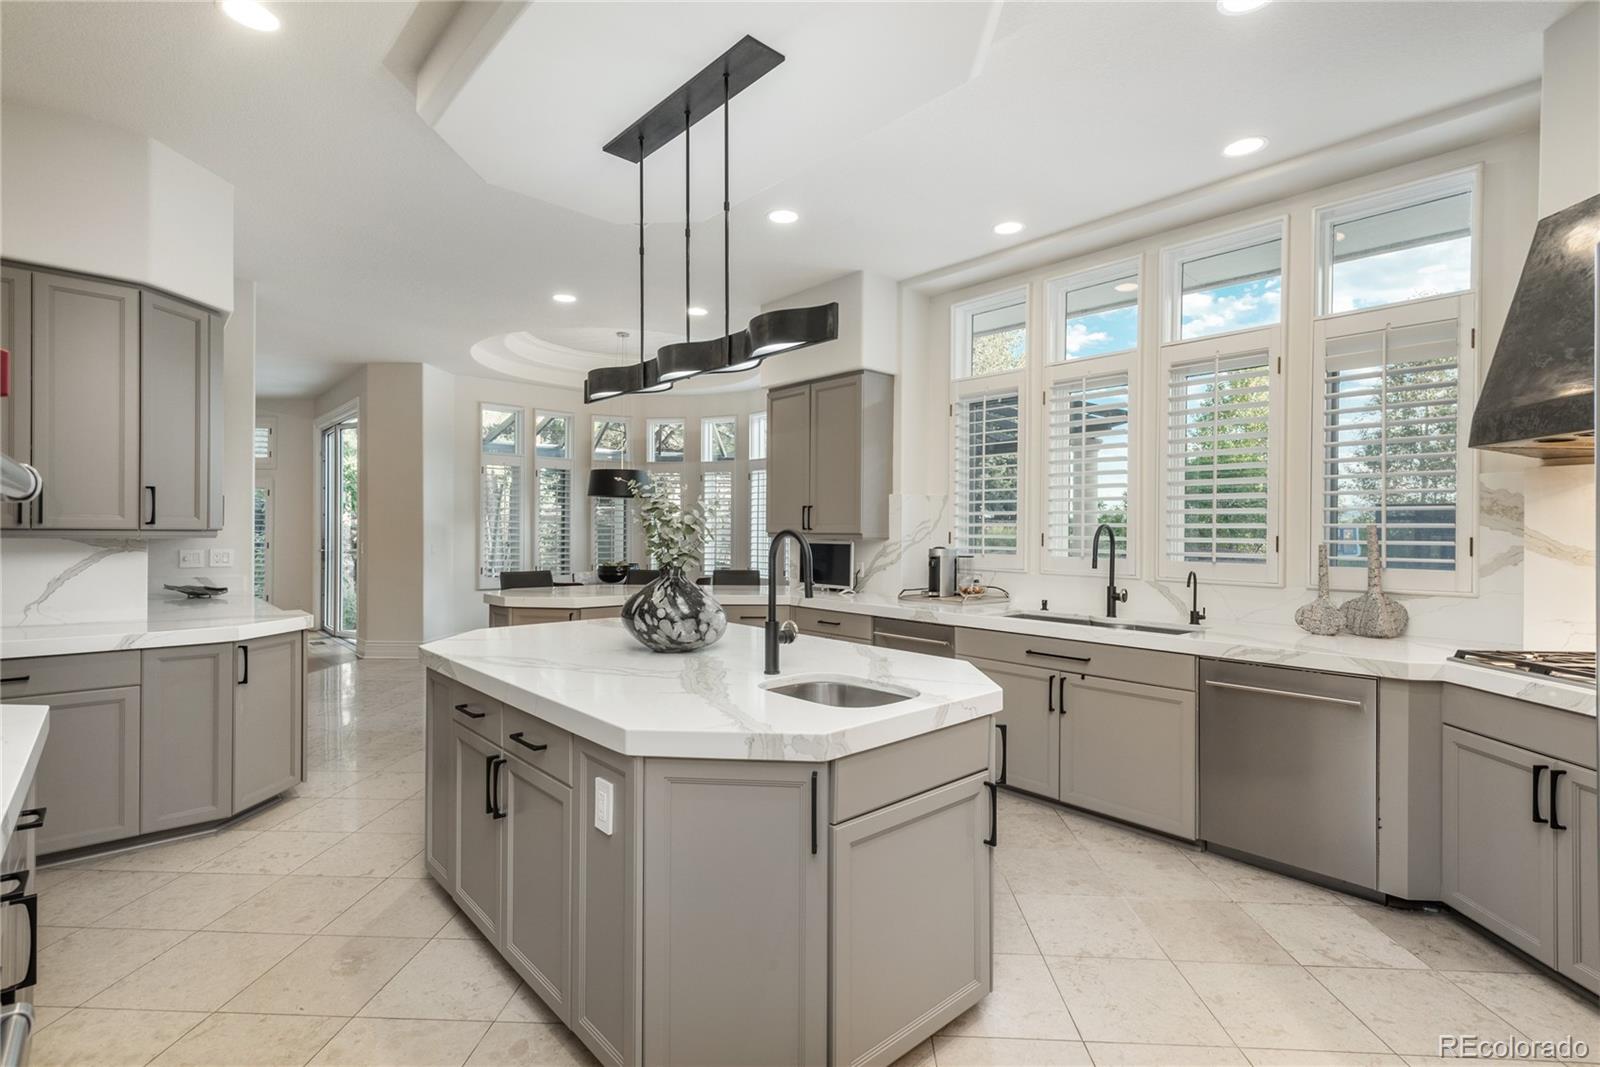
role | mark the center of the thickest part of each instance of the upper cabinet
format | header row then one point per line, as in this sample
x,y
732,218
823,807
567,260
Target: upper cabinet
x,y
829,448
118,404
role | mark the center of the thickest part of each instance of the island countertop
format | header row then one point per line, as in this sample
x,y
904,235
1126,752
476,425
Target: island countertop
x,y
594,680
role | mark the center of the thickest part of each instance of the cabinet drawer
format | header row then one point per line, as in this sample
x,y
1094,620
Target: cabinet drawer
x,y
475,712
523,733
1535,727
524,616
68,674
879,777
834,624
1170,669
614,611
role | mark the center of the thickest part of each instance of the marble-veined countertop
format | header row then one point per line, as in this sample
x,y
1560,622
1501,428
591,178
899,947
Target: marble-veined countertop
x,y
168,621
22,732
593,679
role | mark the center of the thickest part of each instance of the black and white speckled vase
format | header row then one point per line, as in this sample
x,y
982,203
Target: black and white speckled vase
x,y
672,614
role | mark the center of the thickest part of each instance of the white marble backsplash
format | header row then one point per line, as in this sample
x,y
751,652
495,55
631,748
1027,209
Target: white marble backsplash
x,y
47,580
1558,610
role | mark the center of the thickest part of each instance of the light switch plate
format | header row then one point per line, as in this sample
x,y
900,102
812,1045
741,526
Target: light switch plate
x,y
603,792
222,557
191,557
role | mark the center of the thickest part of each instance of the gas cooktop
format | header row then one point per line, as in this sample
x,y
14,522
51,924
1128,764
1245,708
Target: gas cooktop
x,y
1563,666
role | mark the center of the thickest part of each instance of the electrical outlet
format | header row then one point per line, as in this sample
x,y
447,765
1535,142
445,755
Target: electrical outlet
x,y
191,557
222,557
602,805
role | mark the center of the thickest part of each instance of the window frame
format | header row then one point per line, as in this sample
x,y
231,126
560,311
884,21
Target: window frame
x,y
756,549
1235,344
1056,290
1393,198
542,463
595,421
961,315
1173,257
969,389
1463,580
650,425
518,461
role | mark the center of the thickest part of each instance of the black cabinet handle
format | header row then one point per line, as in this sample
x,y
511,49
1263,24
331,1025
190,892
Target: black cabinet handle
x,y
16,878
1057,655
1538,769
1555,821
994,815
813,813
495,763
244,655
1005,754
828,622
488,784
36,815
466,710
1050,694
1061,693
151,521
529,745
15,678
30,904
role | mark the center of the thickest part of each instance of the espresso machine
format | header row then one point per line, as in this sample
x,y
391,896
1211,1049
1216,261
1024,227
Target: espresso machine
x,y
944,567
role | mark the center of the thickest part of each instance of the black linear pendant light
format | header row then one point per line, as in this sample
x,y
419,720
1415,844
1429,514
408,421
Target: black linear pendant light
x,y
604,383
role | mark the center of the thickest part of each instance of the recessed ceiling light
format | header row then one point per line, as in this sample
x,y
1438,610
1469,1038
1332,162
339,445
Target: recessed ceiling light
x,y
1006,229
1245,146
1240,7
782,216
564,298
249,13
697,312
1126,287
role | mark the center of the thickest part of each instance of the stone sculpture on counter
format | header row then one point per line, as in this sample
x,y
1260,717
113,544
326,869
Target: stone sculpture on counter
x,y
1375,613
1320,616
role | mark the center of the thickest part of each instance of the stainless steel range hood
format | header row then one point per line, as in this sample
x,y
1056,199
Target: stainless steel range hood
x,y
1538,398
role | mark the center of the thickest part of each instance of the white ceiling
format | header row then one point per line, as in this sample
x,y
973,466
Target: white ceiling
x,y
372,238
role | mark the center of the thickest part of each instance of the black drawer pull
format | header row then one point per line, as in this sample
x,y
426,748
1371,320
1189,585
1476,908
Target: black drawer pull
x,y
466,709
1058,655
829,622
1005,754
30,904
994,815
26,814
16,878
1538,769
17,678
1555,820
529,745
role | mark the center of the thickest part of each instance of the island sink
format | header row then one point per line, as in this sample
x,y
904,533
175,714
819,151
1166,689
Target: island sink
x,y
840,693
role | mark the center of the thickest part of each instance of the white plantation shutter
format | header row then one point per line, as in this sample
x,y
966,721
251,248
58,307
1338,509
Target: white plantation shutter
x,y
261,542
758,520
717,497
261,444
610,526
500,521
555,519
1089,469
987,468
1219,493
1391,452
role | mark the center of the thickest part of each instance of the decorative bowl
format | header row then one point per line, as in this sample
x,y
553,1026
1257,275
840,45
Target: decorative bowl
x,y
613,572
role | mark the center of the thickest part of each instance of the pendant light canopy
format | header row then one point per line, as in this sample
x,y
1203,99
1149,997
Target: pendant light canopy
x,y
765,335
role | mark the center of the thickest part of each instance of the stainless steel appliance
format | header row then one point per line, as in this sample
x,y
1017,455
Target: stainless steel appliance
x,y
1561,666
944,570
1289,769
929,638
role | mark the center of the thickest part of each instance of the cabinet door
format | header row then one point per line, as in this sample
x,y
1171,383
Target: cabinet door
x,y
186,736
16,337
1498,862
174,414
1578,879
607,906
1033,734
439,801
1128,750
788,457
478,886
736,884
911,899
836,458
538,859
89,770
267,717
86,374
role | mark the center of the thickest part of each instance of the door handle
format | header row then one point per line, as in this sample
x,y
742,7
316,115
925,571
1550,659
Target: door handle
x,y
15,678
1061,693
152,491
994,815
1005,754
1555,820
29,819
805,516
1538,769
529,745
1050,694
495,763
30,904
488,784
244,656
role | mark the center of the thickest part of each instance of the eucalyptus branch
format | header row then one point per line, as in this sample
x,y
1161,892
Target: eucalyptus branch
x,y
674,535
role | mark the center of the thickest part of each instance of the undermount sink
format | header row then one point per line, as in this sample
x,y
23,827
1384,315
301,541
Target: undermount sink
x,y
1109,624
840,693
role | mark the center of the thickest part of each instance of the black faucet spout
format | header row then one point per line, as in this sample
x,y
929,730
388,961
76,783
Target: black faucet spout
x,y
1114,596
775,634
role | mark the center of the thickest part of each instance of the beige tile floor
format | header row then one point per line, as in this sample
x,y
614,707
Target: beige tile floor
x,y
310,933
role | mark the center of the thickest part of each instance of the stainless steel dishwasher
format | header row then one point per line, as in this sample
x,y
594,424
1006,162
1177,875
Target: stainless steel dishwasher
x,y
1289,768
929,638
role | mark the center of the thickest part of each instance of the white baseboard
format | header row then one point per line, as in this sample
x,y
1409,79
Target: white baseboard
x,y
386,649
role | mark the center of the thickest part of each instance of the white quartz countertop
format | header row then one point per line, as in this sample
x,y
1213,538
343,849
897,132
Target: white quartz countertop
x,y
1410,658
167,621
593,679
22,732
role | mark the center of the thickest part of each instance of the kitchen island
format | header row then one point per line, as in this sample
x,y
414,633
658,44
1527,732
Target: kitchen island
x,y
690,867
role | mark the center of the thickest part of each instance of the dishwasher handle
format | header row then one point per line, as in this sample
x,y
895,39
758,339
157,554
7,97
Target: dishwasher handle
x,y
16,1028
1288,693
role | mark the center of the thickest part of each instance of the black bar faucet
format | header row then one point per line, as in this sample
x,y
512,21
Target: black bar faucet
x,y
1196,616
783,635
1113,594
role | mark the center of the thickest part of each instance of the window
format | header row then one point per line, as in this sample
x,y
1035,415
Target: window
x,y
1392,449
987,474
1220,502
553,519
1225,284
1095,312
758,492
501,470
717,439
666,444
261,541
502,430
990,336
1089,471
1411,243
608,516
610,442
716,496
265,443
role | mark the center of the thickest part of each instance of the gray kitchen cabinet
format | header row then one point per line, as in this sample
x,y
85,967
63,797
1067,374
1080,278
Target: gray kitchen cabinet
x,y
85,403
16,337
1128,750
1033,736
439,793
911,920
1499,858
704,935
1577,875
478,883
829,450
267,717
538,881
788,457
89,770
175,432
186,736
836,456
608,906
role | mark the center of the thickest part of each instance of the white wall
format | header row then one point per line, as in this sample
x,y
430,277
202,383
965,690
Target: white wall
x,y
868,331
439,474
1569,110
78,195
292,478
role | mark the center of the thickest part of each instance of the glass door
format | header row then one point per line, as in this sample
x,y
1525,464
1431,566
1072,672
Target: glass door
x,y
340,509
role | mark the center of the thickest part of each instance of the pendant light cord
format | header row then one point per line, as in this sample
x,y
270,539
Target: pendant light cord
x,y
727,337
641,248
687,299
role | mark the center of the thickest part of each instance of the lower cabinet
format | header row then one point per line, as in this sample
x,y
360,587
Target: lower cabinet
x,y
186,736
1033,737
478,885
1578,883
538,880
1128,751
439,793
88,774
267,719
